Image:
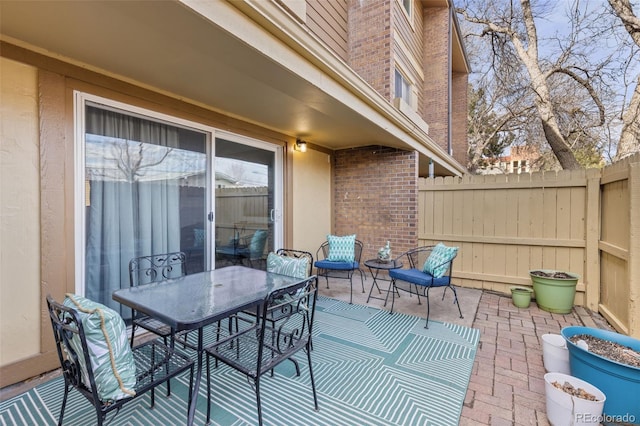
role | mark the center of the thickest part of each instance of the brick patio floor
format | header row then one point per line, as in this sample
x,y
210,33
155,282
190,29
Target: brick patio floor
x,y
507,382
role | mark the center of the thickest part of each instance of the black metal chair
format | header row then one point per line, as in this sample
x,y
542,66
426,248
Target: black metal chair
x,y
258,348
155,363
339,269
147,269
416,276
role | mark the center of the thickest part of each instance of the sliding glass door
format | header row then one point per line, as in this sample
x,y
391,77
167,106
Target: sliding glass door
x,y
150,184
246,217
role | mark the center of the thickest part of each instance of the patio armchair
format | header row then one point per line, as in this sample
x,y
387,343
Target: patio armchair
x,y
429,266
111,374
260,347
339,257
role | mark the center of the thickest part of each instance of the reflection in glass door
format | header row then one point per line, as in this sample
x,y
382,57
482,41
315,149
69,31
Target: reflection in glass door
x,y
145,193
245,213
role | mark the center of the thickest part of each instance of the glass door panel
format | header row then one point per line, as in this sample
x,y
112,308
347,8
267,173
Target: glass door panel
x,y
245,216
145,194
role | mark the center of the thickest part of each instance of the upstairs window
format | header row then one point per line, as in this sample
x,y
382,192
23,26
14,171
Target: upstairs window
x,y
407,6
402,88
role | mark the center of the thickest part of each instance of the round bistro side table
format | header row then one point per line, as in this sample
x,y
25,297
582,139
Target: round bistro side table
x,y
375,266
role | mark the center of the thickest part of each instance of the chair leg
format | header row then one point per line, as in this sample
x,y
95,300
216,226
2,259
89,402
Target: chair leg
x,y
455,300
164,339
190,387
64,402
361,279
208,366
257,383
393,294
427,296
313,383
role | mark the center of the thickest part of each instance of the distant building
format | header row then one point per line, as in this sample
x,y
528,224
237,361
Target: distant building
x,y
521,159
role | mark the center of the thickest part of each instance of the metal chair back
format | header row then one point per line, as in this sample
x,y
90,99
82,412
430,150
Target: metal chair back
x,y
298,254
157,267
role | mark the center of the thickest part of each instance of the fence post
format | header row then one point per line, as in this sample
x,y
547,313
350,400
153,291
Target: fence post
x,y
634,250
591,277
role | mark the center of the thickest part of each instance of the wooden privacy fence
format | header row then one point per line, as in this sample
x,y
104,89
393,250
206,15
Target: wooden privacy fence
x,y
582,221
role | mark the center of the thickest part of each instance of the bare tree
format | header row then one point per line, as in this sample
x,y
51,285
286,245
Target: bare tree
x,y
630,135
564,90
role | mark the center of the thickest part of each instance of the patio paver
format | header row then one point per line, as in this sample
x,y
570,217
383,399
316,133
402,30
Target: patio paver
x,y
507,382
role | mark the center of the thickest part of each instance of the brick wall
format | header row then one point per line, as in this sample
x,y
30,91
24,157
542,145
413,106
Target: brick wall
x,y
375,197
436,73
370,42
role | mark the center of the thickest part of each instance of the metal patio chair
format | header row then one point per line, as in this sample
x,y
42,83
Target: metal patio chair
x,y
339,269
421,280
155,363
260,347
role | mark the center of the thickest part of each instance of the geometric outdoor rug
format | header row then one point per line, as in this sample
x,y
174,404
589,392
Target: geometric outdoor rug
x,y
370,367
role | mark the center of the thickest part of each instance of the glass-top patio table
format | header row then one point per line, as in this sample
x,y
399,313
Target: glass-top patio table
x,y
194,301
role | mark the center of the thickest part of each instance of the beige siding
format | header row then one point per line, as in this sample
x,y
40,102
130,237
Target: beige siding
x,y
327,19
408,47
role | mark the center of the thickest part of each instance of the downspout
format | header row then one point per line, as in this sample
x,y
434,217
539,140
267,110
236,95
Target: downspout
x,y
449,90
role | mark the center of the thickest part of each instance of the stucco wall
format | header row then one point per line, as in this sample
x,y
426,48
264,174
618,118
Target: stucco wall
x,y
312,201
19,213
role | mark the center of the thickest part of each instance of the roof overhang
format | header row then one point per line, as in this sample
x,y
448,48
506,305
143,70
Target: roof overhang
x,y
247,59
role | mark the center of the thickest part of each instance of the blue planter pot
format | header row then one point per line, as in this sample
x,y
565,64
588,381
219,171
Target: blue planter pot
x,y
619,382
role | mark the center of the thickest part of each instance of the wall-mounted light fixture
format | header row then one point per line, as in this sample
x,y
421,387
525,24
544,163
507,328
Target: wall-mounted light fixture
x,y
300,145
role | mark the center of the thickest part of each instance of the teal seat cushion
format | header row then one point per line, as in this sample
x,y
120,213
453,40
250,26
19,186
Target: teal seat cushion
x,y
111,358
336,266
438,261
287,265
341,248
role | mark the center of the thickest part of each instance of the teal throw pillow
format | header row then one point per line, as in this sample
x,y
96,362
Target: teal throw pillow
x,y
438,261
111,358
199,235
286,265
342,249
258,241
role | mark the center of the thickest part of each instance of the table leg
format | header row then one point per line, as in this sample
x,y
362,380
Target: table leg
x,y
196,385
375,283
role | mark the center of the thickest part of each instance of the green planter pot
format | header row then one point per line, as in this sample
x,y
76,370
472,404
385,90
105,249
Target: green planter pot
x,y
554,295
521,296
